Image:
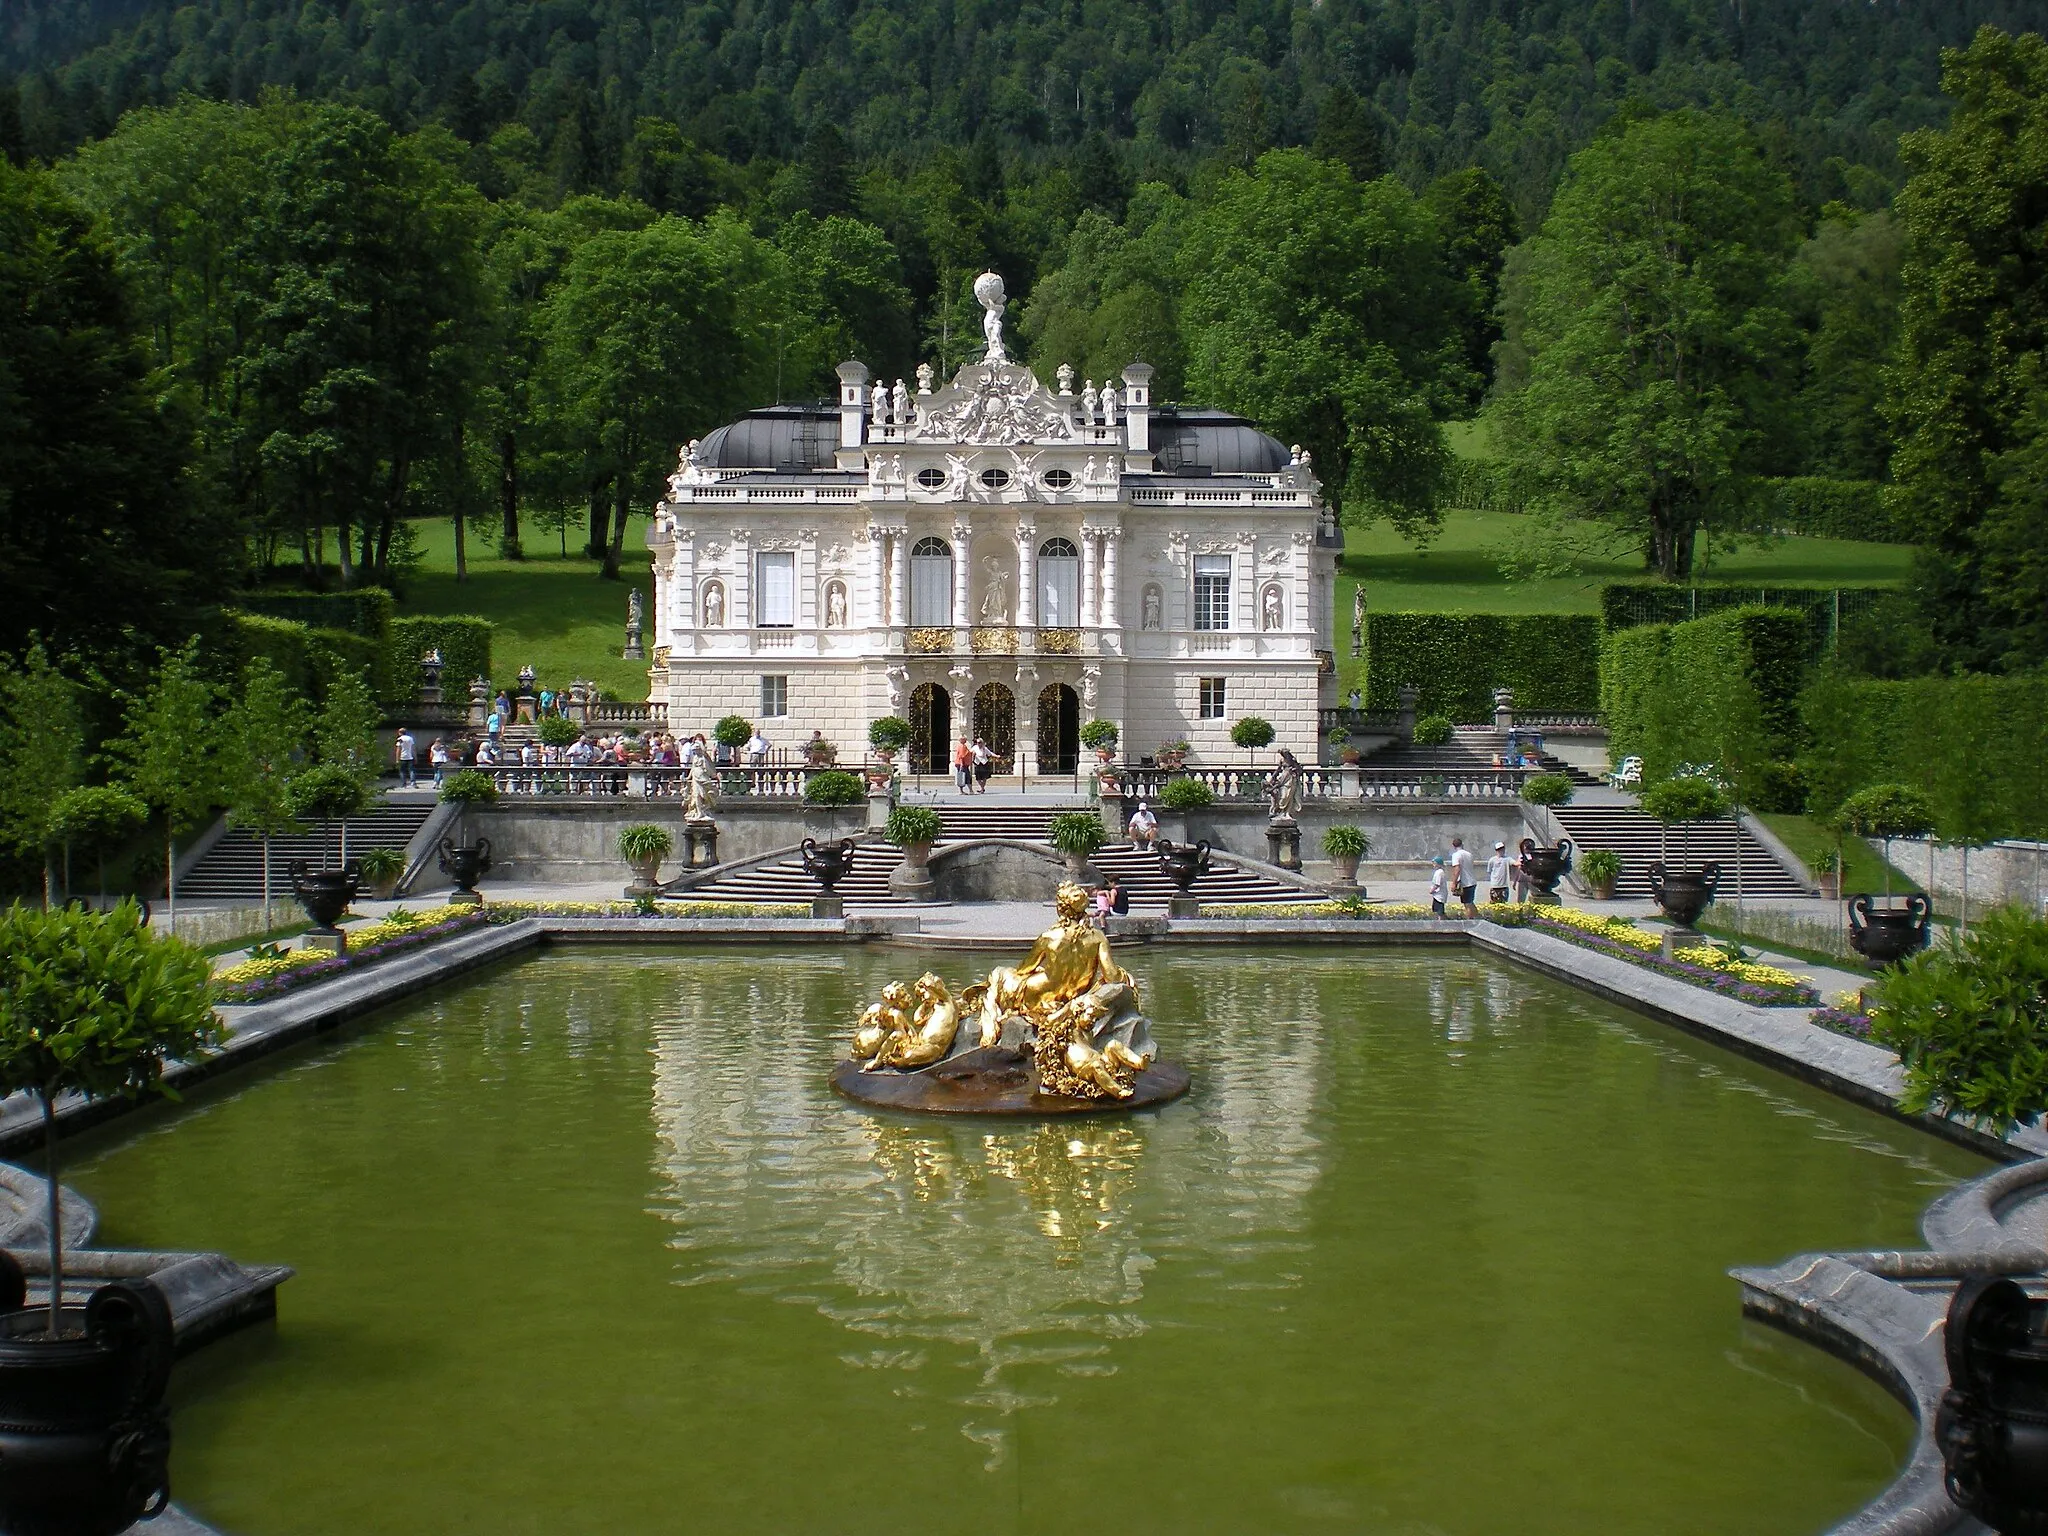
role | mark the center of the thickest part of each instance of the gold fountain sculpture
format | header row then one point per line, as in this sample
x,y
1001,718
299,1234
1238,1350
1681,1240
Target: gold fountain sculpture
x,y
1068,1004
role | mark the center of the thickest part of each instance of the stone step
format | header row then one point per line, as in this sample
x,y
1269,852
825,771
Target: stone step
x,y
232,869
1642,841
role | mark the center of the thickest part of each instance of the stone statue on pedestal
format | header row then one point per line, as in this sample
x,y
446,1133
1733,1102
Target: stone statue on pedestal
x,y
634,650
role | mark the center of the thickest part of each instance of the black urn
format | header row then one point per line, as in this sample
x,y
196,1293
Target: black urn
x,y
324,893
85,1443
828,863
1886,935
1183,863
465,864
1992,1425
1544,867
1684,893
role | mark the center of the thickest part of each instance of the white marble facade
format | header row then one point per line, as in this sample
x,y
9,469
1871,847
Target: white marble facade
x,y
993,556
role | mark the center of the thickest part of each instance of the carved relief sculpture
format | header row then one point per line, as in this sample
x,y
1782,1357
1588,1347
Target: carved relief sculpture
x,y
995,598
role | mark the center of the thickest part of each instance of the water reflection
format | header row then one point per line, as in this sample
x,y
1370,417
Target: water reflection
x,y
996,1245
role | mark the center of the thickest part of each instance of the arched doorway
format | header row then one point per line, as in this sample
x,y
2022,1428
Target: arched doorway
x,y
1059,729
931,729
995,720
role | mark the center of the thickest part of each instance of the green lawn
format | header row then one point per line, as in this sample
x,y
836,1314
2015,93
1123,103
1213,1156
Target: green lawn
x,y
553,613
1805,836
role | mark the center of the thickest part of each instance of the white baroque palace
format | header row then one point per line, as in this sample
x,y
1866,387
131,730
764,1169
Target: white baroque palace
x,y
992,557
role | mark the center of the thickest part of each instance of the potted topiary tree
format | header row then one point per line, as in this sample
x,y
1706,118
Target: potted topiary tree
x,y
1684,894
1252,733
731,733
1345,846
1601,869
835,786
466,863
327,793
558,732
91,1004
643,847
1100,737
1433,730
913,828
1885,934
1547,789
1078,835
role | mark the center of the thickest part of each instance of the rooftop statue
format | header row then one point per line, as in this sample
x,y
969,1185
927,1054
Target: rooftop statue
x,y
988,288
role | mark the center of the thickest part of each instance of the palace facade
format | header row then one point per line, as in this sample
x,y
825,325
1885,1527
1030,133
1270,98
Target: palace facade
x,y
995,558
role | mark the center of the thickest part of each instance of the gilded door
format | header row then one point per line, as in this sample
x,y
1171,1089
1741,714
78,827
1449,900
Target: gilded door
x,y
995,721
931,729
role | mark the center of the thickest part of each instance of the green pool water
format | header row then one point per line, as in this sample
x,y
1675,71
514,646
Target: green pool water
x,y
1435,1245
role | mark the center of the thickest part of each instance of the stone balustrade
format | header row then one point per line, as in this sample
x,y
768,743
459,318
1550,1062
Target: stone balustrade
x,y
1333,784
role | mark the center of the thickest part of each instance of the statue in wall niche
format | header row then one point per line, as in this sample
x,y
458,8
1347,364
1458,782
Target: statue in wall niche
x,y
1091,680
899,680
714,605
1269,609
988,290
835,606
995,598
1283,788
1150,618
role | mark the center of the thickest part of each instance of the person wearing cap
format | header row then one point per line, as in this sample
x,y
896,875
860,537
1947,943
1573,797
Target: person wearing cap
x,y
1144,827
1497,874
1439,885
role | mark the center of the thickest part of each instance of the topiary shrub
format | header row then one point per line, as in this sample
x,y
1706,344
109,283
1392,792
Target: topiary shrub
x,y
733,731
1888,810
891,733
1547,789
1969,1022
557,732
1186,795
835,786
912,824
1252,733
1099,736
471,786
1433,730
1077,833
1677,801
1343,842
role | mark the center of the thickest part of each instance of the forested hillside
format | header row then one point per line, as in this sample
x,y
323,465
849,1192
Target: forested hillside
x,y
562,90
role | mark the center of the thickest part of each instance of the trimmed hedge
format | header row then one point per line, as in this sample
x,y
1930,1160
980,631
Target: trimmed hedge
x,y
365,611
1626,604
308,658
465,642
1671,693
1552,661
1822,508
1977,747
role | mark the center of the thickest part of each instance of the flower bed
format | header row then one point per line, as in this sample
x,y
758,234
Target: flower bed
x,y
1764,986
263,977
1846,1014
1342,907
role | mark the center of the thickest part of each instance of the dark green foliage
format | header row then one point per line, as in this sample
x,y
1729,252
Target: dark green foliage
x,y
464,641
733,731
365,611
890,733
329,792
1434,730
1251,733
1185,794
1887,810
1677,801
1552,661
309,659
1076,832
1345,842
1721,691
1969,1021
1547,789
1627,603
911,824
381,864
1099,735
645,841
835,786
558,732
1823,508
1780,789
469,787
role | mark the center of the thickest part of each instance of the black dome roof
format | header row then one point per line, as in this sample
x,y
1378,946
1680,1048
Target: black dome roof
x,y
1189,441
786,437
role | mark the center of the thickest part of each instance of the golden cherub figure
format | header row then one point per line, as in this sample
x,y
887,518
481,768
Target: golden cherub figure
x,y
910,1027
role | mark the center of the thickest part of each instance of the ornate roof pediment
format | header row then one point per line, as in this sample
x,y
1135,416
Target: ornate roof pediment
x,y
990,404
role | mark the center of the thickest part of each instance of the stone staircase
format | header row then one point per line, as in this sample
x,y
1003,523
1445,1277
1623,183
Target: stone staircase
x,y
1642,841
232,869
1471,747
867,883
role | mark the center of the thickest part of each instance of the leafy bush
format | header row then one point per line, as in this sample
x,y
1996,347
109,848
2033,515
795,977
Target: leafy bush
x,y
1887,810
1186,795
891,733
1099,736
1547,789
1433,730
645,841
910,824
835,786
1600,867
1342,842
1252,733
463,639
1076,832
1780,789
1969,1021
557,732
1456,660
1702,691
733,731
328,792
469,787
95,817
381,864
1682,800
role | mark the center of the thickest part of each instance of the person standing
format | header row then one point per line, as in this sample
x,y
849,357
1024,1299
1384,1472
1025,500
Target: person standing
x,y
494,726
404,750
1463,880
963,766
1497,874
437,759
1438,885
984,765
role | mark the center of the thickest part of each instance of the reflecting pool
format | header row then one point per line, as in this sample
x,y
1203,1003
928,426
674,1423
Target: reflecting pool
x,y
1435,1245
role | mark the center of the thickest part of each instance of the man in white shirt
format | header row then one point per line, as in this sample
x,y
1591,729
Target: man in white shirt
x,y
406,753
1463,883
1497,874
1144,827
757,749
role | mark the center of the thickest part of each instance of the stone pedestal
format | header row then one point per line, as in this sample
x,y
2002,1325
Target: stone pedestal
x,y
823,905
880,803
325,943
700,844
1183,906
1675,938
913,877
1283,839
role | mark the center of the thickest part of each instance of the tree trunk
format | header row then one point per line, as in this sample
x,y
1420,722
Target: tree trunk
x,y
56,1229
171,876
508,495
266,877
600,519
620,514
461,552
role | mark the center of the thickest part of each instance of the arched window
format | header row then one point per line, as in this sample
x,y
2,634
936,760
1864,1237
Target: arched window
x,y
931,583
1059,584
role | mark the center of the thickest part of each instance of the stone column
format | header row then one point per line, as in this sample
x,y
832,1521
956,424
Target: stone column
x,y
1109,604
877,595
963,575
683,617
1089,613
899,577
1027,578
740,612
1244,583
808,618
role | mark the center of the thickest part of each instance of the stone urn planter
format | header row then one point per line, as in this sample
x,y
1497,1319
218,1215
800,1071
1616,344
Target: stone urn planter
x,y
913,876
325,894
1886,935
85,1442
1992,1426
1344,868
1544,867
1183,863
465,864
1684,893
828,863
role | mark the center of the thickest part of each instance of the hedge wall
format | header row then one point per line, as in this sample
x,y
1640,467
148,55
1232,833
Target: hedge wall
x,y
1715,690
1976,746
465,642
307,657
1624,604
365,611
1552,661
1822,508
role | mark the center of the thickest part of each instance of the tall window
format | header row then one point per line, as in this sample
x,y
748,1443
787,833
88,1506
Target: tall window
x,y
1059,584
1212,592
1212,698
774,589
774,697
931,583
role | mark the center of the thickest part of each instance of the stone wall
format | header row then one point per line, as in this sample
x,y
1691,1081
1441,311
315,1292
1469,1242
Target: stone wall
x,y
1404,837
1163,703
575,842
2001,874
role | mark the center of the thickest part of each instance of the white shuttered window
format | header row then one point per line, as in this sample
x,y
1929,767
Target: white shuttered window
x,y
774,589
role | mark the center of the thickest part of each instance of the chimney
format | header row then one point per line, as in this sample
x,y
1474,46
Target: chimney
x,y
853,403
1138,407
